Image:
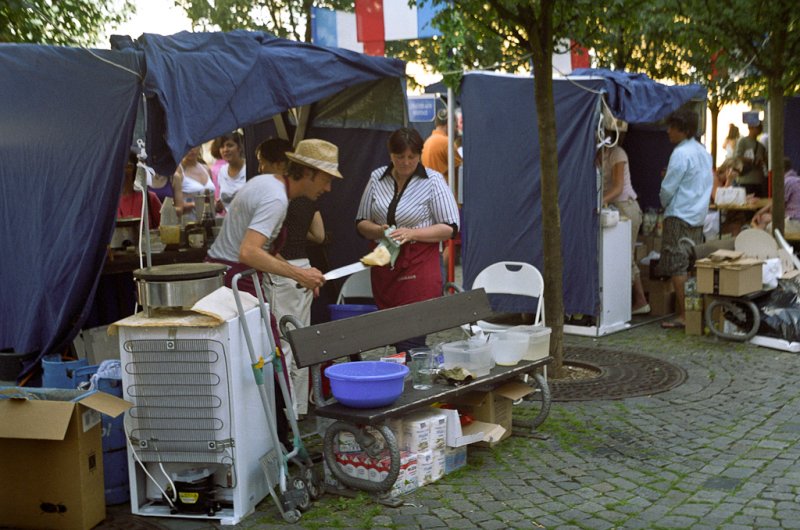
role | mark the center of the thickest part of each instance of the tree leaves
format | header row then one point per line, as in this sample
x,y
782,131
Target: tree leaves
x,y
63,22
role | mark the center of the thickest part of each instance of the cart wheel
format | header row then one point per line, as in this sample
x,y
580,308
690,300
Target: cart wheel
x,y
291,516
304,499
312,481
740,319
538,401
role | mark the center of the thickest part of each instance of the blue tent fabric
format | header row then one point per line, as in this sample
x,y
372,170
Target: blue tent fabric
x,y
246,77
636,98
67,119
502,178
502,183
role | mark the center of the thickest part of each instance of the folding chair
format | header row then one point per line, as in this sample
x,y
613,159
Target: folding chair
x,y
357,285
511,277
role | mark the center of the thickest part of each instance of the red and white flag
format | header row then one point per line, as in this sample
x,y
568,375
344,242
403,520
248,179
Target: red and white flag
x,y
378,21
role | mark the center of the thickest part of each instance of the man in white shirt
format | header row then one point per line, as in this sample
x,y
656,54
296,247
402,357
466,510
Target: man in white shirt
x,y
685,193
254,221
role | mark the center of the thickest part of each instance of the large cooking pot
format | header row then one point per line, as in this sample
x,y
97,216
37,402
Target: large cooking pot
x,y
178,285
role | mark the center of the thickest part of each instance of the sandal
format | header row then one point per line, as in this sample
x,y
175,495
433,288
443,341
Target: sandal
x,y
673,324
645,309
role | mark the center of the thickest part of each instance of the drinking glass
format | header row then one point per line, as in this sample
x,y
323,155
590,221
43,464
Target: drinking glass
x,y
423,368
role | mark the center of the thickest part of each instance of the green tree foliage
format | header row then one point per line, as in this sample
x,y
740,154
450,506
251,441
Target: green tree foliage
x,y
521,30
648,36
63,22
760,43
289,19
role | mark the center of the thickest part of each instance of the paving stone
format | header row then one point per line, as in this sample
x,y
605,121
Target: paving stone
x,y
493,524
692,509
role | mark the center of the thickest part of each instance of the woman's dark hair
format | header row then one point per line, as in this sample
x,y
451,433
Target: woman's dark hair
x,y
685,121
274,150
235,136
405,138
215,145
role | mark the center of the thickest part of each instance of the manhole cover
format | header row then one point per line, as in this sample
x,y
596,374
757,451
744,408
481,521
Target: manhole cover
x,y
622,375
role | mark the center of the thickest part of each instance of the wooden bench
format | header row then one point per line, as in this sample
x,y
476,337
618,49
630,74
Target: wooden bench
x,y
314,345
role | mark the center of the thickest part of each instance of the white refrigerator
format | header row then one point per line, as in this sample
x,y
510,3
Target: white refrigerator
x,y
614,261
197,417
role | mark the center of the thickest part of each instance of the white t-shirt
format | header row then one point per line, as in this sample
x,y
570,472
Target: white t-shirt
x,y
260,205
230,186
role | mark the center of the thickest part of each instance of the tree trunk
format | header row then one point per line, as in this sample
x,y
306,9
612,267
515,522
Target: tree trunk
x,y
776,151
713,107
551,213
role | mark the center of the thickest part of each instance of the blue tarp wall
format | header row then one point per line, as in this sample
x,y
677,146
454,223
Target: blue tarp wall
x,y
791,130
502,177
67,120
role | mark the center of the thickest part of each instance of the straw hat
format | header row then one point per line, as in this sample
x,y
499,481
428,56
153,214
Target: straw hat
x,y
317,154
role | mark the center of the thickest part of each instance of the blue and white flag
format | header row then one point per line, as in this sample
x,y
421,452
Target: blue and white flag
x,y
334,28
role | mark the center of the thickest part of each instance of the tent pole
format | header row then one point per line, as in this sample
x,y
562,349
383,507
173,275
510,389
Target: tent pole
x,y
451,178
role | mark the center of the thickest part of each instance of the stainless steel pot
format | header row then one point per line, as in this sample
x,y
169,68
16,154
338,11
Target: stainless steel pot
x,y
178,285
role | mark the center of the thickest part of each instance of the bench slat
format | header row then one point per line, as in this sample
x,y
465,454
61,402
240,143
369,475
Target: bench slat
x,y
325,342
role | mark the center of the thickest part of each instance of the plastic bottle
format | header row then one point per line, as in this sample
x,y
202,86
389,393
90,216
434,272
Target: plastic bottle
x,y
207,218
169,216
169,229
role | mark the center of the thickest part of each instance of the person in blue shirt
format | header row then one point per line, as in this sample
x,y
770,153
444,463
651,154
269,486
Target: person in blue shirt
x,y
685,193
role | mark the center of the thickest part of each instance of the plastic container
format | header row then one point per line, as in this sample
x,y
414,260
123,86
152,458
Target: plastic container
x,y
509,347
57,373
366,384
340,311
472,355
538,341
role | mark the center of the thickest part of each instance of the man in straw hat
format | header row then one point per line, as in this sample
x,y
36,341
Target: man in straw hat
x,y
254,221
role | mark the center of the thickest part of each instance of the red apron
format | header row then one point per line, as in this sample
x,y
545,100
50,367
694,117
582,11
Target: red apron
x,y
416,276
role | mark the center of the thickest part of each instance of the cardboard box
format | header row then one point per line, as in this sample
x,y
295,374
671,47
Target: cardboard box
x,y
694,323
660,296
361,465
493,407
728,273
458,436
51,454
417,432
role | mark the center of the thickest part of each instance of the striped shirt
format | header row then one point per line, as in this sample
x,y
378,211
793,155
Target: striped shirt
x,y
425,201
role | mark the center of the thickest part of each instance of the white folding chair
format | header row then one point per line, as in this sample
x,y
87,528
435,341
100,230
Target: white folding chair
x,y
511,277
357,285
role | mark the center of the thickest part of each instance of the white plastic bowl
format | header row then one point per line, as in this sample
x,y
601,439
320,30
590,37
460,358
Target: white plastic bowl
x,y
508,347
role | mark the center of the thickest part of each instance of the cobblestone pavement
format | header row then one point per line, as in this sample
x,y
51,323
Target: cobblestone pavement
x,y
719,451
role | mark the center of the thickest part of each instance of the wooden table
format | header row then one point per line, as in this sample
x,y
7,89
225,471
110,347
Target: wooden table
x,y
792,237
752,205
119,261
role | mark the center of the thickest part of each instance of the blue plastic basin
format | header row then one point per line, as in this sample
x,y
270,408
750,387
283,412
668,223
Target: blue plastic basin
x,y
366,384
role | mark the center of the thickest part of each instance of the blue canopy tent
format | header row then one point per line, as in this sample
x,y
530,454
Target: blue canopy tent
x,y
68,118
502,175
